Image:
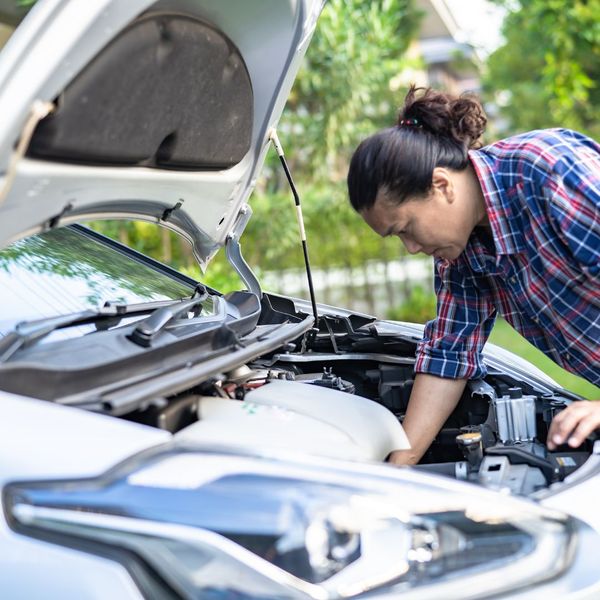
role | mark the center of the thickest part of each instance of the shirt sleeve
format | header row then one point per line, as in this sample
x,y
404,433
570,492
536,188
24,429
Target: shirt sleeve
x,y
452,342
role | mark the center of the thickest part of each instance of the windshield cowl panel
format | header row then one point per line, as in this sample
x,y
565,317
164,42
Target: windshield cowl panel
x,y
109,357
74,305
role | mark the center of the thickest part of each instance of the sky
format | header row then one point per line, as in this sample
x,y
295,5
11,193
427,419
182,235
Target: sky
x,y
480,20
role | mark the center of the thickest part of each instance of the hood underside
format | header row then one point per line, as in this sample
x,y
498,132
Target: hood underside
x,y
169,91
157,111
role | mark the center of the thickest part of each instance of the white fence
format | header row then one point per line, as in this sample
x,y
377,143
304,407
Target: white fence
x,y
373,288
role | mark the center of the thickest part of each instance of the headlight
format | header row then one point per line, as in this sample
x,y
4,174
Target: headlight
x,y
214,523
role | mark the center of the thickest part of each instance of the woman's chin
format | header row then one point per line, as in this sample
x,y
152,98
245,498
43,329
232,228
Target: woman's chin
x,y
448,253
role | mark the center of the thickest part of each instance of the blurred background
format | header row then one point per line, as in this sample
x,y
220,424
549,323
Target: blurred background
x,y
534,63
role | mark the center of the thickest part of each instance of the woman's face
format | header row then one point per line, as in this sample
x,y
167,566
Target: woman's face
x,y
439,224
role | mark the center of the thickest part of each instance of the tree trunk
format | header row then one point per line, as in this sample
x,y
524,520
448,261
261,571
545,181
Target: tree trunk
x,y
326,286
405,278
389,285
368,290
123,234
349,285
166,248
187,256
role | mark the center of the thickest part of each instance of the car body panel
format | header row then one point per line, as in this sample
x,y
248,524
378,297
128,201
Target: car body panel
x,y
41,440
47,52
72,442
60,573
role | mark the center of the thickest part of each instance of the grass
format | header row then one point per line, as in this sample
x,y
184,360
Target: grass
x,y
504,335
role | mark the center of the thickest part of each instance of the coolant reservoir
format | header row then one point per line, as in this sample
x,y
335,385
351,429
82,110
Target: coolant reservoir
x,y
301,418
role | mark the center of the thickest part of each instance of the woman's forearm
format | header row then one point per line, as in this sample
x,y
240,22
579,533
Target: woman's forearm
x,y
432,400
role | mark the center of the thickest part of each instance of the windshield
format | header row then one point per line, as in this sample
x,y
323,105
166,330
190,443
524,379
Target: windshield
x,y
66,270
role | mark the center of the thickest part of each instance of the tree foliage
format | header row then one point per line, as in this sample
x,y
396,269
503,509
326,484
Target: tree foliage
x,y
547,74
344,91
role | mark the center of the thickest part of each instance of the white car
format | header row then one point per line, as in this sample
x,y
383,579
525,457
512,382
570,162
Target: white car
x,y
161,440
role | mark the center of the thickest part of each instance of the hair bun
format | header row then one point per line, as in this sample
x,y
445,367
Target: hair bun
x,y
460,118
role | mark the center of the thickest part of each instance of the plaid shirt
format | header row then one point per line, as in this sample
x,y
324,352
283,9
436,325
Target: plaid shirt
x,y
539,268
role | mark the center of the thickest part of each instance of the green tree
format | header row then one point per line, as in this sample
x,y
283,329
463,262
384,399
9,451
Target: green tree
x,y
547,73
344,89
343,92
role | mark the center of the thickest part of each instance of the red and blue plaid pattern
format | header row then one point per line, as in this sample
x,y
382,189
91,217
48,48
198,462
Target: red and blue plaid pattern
x,y
539,268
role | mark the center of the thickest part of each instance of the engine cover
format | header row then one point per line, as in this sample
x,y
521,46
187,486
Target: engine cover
x,y
292,416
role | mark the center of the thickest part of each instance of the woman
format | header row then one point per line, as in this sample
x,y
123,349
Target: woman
x,y
514,228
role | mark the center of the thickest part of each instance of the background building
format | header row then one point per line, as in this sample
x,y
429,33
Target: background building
x,y
442,55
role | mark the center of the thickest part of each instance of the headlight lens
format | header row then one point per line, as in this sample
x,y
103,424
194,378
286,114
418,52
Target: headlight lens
x,y
259,527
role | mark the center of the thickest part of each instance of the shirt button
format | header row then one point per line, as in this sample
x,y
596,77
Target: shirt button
x,y
513,280
567,357
536,320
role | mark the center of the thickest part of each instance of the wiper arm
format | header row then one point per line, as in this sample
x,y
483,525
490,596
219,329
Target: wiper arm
x,y
28,332
146,330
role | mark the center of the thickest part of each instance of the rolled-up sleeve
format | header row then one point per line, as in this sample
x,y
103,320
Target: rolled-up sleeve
x,y
452,342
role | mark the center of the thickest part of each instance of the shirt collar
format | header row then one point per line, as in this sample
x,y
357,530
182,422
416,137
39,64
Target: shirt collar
x,y
502,205
479,256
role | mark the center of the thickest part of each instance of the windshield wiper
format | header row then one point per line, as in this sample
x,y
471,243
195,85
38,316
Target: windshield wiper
x,y
146,330
29,332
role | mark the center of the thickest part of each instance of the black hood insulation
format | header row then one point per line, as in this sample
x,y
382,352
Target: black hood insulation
x,y
169,91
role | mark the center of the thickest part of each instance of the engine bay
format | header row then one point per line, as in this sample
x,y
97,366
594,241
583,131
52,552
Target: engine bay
x,y
495,437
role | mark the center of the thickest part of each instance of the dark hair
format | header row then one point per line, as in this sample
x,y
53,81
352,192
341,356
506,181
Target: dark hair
x,y
433,130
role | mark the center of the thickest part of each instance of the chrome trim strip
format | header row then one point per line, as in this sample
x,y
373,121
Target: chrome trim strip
x,y
316,356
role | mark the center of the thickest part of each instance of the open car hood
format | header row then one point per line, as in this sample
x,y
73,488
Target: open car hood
x,y
159,111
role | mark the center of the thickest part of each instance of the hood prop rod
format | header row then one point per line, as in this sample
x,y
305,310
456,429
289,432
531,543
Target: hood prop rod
x,y
279,149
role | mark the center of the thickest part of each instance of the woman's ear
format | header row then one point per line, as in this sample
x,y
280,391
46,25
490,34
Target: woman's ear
x,y
441,180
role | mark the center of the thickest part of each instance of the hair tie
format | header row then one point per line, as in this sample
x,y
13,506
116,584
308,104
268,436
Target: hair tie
x,y
409,123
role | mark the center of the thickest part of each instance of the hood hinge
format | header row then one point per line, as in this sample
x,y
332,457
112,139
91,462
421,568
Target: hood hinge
x,y
234,252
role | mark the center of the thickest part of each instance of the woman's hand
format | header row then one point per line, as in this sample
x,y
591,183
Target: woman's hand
x,y
574,424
